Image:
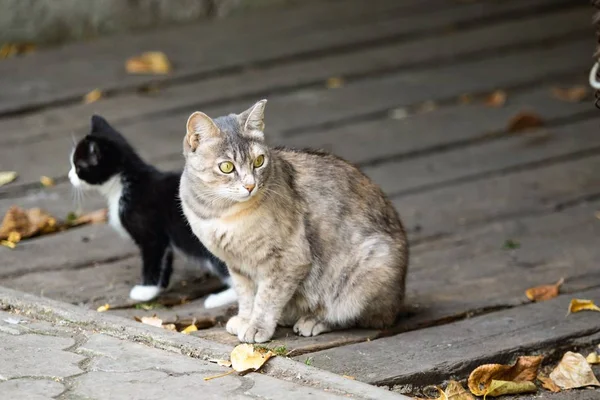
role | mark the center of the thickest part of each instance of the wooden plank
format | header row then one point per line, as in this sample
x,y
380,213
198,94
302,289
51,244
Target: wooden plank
x,y
258,82
432,355
376,141
477,162
160,138
100,64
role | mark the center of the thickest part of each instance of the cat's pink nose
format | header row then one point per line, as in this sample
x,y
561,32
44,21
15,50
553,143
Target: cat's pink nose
x,y
250,187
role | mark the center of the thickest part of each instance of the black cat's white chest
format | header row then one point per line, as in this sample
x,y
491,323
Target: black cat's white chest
x,y
113,190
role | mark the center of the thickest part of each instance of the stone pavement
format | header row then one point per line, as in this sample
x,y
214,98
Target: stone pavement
x,y
53,350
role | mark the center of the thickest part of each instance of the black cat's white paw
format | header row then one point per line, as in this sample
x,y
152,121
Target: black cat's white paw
x,y
223,298
144,292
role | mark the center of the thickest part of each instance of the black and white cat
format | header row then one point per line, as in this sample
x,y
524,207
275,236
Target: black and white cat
x,y
143,204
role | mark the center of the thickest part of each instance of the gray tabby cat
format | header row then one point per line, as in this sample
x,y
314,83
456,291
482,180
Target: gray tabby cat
x,y
308,239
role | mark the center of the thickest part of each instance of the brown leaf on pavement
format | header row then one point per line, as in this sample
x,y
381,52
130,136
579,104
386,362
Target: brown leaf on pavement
x,y
92,96
335,82
544,292
573,371
548,383
152,62
525,369
524,121
246,357
573,94
495,99
577,305
593,358
500,388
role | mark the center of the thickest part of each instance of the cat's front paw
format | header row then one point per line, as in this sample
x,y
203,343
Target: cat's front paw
x,y
310,326
235,324
144,292
250,333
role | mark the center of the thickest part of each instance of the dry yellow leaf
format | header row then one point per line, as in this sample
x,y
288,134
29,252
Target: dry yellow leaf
x,y
7,177
153,321
7,243
152,62
170,327
577,305
524,121
499,388
11,49
548,383
495,99
335,82
349,377
455,391
103,308
46,181
573,371
189,329
544,292
14,237
572,94
525,369
245,357
224,363
27,223
593,358
92,96
91,217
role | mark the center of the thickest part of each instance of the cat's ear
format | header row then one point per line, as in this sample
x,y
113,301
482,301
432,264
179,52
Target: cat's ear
x,y
253,120
99,124
199,126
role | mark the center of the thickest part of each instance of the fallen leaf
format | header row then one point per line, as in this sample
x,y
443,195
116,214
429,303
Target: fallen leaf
x,y
222,363
334,83
103,308
189,329
7,243
544,292
46,181
524,121
548,383
170,327
152,62
27,223
245,357
14,237
525,369
92,96
153,321
572,94
12,49
93,217
577,305
573,371
455,391
7,177
200,323
495,99
348,377
13,321
593,358
499,388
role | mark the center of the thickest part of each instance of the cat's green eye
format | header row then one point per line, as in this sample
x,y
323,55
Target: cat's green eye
x,y
226,167
259,161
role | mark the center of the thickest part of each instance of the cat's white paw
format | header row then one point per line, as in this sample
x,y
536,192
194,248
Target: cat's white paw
x,y
144,292
225,297
250,333
234,324
309,326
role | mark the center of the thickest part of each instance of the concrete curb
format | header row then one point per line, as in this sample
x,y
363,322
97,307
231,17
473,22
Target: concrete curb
x,y
281,368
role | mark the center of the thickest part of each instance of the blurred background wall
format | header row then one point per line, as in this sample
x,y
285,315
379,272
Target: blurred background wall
x,y
58,21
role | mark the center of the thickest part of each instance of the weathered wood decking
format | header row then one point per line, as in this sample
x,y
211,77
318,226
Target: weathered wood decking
x,y
462,182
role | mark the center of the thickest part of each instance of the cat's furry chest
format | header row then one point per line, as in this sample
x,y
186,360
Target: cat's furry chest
x,y
113,190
